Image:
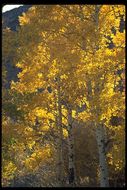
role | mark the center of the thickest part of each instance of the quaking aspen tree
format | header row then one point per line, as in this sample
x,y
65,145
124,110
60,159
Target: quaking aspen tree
x,y
67,66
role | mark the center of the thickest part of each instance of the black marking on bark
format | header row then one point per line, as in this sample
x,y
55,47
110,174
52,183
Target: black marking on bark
x,y
71,175
71,156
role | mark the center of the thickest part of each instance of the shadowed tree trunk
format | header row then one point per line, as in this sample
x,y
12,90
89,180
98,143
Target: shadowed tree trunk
x,y
72,178
60,177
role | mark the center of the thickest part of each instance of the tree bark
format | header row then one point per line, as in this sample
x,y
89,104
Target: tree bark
x,y
104,182
71,177
100,133
60,176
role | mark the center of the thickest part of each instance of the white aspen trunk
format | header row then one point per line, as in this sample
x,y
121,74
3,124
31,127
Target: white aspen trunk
x,y
100,134
60,177
104,182
72,180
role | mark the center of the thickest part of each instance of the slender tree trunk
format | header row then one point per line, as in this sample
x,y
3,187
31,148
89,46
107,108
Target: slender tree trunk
x,y
100,135
72,178
104,182
101,140
60,177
